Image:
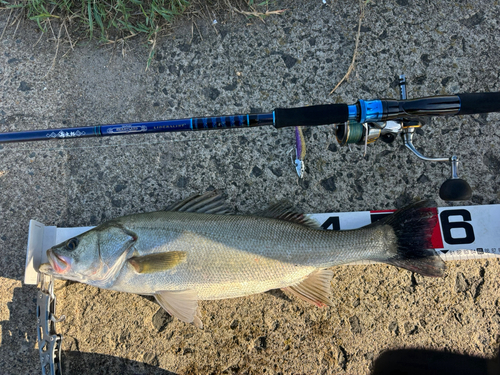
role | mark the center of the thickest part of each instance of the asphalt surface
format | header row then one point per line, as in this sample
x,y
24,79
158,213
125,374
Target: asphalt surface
x,y
239,66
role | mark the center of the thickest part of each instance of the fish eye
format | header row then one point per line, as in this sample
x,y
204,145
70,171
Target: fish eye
x,y
72,243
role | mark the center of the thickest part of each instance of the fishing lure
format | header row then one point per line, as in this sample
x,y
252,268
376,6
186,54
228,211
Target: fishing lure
x,y
300,151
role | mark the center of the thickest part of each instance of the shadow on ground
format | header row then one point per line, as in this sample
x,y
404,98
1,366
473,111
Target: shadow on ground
x,y
19,336
90,363
433,362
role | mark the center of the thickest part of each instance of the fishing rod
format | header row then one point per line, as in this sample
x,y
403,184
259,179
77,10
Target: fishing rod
x,y
361,123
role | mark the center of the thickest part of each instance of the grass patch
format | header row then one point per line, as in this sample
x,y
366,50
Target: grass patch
x,y
112,21
104,19
107,19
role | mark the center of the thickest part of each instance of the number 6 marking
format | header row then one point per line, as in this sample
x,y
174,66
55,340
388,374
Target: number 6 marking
x,y
447,227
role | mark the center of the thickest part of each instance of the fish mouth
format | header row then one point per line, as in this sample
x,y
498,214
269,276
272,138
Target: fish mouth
x,y
59,263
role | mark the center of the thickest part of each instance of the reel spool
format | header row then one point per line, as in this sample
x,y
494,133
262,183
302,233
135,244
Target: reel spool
x,y
355,132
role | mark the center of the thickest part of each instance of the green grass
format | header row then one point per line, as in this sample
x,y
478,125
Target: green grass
x,y
113,20
107,19
103,19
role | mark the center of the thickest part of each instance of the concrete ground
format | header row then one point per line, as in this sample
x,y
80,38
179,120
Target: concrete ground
x,y
239,66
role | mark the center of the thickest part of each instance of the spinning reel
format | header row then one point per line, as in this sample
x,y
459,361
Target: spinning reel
x,y
453,189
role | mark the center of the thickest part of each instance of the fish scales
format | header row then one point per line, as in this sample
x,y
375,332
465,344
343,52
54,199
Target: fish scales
x,y
231,256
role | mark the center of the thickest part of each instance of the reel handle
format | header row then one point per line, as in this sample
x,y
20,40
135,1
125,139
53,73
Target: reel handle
x,y
454,188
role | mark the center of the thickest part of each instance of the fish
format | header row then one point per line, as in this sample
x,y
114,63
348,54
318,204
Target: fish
x,y
198,250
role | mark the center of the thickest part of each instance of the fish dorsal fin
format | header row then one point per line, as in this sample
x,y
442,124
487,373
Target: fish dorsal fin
x,y
315,289
157,262
208,203
182,304
284,210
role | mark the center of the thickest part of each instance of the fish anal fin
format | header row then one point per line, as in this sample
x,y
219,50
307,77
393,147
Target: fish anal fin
x,y
315,289
157,262
284,210
182,304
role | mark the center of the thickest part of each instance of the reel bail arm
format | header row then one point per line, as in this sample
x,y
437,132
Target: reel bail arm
x,y
453,189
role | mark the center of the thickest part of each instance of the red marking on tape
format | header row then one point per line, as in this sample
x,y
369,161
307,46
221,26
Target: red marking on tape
x,y
437,238
382,211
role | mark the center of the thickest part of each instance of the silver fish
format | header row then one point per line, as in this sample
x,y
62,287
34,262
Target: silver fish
x,y
197,251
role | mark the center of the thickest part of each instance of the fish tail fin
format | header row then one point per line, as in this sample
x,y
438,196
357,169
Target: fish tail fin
x,y
413,227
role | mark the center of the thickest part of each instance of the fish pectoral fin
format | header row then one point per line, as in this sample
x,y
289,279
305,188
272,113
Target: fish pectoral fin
x,y
157,262
315,289
182,304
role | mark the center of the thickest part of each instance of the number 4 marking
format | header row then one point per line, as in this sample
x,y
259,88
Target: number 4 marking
x,y
332,221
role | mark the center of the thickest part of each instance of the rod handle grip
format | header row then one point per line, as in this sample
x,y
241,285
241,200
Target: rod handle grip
x,y
311,116
483,102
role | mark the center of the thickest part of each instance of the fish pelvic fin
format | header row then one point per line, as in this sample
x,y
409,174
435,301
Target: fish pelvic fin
x,y
284,210
315,289
413,227
157,262
182,304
